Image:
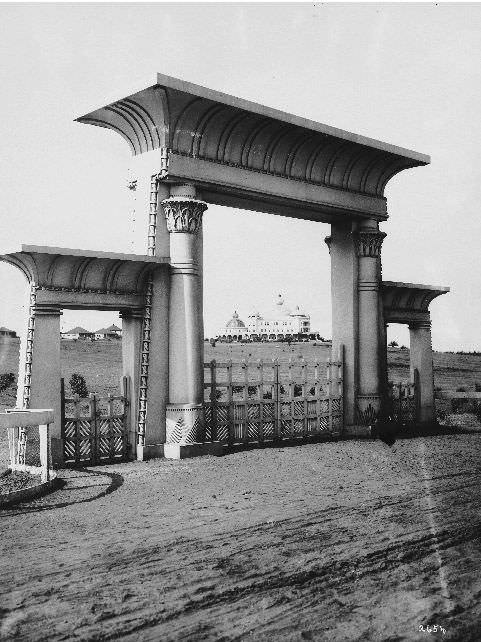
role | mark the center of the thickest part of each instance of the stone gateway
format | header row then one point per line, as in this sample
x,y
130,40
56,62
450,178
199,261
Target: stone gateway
x,y
193,147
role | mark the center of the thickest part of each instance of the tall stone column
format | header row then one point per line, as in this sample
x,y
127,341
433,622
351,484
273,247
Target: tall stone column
x,y
45,371
422,361
131,349
369,240
344,301
184,413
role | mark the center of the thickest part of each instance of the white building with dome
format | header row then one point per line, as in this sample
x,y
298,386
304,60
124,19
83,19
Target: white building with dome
x,y
279,324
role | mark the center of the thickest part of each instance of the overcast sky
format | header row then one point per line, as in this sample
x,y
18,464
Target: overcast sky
x,y
407,74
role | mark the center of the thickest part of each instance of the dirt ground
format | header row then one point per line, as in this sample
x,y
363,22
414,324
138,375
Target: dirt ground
x,y
333,541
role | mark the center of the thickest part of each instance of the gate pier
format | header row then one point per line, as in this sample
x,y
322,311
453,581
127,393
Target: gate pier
x,y
422,361
369,240
185,424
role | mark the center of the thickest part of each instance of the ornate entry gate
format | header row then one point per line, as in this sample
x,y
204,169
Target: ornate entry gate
x,y
95,429
257,402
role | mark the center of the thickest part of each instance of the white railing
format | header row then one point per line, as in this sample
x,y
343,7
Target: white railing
x,y
16,422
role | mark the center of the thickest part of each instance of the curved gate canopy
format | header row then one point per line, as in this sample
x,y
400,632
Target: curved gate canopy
x,y
408,302
247,155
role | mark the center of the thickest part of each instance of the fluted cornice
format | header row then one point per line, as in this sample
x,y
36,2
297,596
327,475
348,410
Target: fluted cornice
x,y
183,214
200,133
409,302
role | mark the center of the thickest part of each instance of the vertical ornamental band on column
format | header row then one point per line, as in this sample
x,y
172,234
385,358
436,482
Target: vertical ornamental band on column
x,y
27,381
147,321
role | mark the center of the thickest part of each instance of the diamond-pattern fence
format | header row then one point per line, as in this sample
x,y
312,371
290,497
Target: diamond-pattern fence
x,y
95,429
255,402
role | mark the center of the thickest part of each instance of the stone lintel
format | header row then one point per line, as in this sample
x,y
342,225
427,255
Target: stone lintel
x,y
241,144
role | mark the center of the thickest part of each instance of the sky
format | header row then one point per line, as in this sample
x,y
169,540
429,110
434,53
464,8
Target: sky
x,y
406,74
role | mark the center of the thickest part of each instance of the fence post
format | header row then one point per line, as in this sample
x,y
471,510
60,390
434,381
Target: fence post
x,y
291,399
329,391
245,423
400,394
213,400
109,423
277,403
44,433
127,443
260,367
76,413
317,393
94,448
304,392
340,379
230,404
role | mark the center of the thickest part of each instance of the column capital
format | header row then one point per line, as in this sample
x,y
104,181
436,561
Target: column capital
x,y
369,242
183,214
47,310
424,324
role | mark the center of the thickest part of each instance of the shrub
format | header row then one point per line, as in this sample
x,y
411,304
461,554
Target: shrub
x,y
78,386
6,380
251,390
403,348
393,344
267,394
477,386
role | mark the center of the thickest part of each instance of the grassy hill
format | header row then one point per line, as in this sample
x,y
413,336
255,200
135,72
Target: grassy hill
x,y
101,364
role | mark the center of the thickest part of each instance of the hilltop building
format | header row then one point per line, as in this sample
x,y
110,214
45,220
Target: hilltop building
x,y
280,324
9,334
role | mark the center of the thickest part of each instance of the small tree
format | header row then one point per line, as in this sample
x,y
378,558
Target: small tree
x,y
6,380
393,344
78,385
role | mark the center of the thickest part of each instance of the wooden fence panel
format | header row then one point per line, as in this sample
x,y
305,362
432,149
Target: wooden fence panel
x,y
95,429
255,402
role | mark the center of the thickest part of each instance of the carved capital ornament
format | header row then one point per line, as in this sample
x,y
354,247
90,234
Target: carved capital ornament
x,y
369,243
183,215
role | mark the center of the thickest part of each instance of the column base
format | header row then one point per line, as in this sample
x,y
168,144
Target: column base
x,y
149,451
357,430
184,424
183,451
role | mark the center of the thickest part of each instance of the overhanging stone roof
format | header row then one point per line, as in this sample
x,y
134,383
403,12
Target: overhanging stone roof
x,y
229,147
83,278
405,302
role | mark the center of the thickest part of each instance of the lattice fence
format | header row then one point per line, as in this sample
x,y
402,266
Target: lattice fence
x,y
404,400
95,429
261,401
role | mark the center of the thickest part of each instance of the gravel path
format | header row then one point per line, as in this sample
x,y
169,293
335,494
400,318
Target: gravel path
x,y
334,541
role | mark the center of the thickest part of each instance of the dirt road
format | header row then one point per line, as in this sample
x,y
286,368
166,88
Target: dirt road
x,y
333,541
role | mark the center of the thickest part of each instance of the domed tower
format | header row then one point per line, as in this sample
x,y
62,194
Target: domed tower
x,y
235,327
